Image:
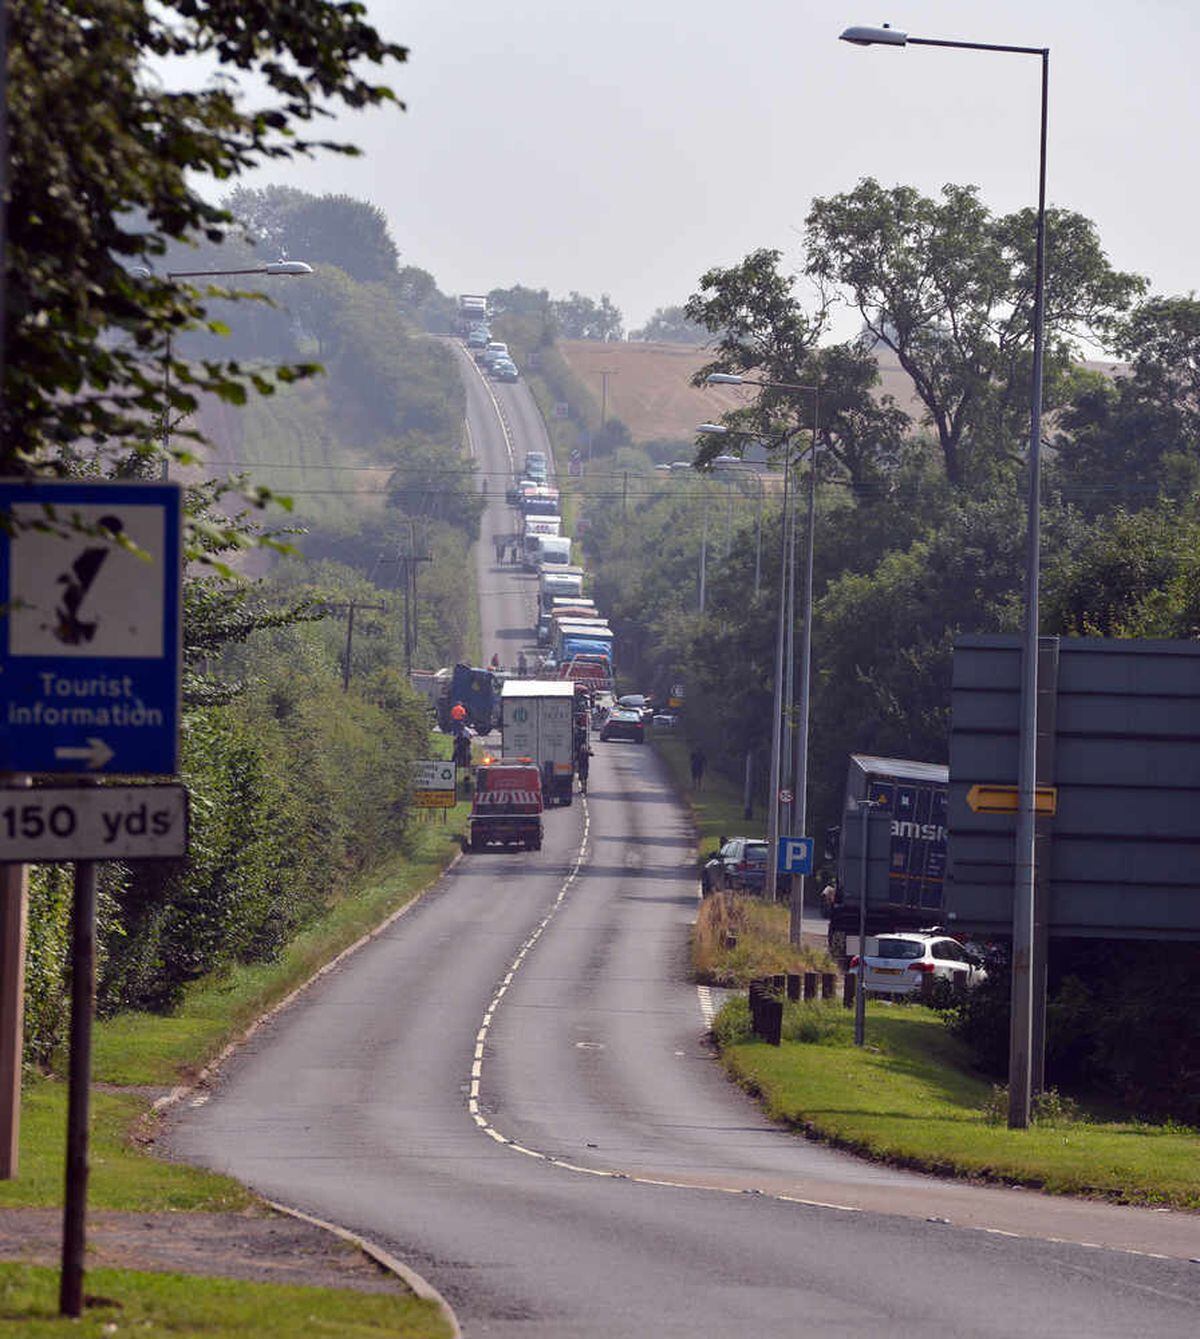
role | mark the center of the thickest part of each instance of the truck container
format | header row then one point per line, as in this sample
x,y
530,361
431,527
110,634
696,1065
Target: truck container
x,y
506,807
536,717
914,794
537,500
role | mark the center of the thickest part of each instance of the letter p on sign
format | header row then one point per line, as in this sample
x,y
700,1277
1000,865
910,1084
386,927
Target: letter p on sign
x,y
795,855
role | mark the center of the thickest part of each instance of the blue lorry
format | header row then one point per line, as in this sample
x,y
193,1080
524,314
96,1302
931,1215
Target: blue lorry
x,y
908,894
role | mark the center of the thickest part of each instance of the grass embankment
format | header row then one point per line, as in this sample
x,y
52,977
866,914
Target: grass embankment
x,y
159,1051
910,1097
717,806
183,1305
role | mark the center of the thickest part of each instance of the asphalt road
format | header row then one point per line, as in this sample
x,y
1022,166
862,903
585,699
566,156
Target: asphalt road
x,y
510,1089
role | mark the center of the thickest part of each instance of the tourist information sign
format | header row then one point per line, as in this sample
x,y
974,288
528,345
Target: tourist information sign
x,y
90,632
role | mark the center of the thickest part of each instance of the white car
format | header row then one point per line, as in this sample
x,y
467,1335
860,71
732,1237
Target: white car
x,y
902,959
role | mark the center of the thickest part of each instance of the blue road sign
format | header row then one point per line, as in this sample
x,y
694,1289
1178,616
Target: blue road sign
x,y
795,855
90,628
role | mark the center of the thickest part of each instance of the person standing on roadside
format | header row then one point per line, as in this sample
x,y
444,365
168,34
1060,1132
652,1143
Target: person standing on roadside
x,y
699,762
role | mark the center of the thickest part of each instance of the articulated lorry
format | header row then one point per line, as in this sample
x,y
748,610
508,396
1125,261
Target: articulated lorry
x,y
477,691
536,721
908,894
558,581
472,311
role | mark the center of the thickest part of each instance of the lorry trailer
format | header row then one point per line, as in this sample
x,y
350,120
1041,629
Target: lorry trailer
x,y
915,796
536,720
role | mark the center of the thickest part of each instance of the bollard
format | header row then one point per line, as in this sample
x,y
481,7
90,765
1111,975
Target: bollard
x,y
848,984
828,985
810,985
779,983
772,1021
793,986
756,998
730,939
925,989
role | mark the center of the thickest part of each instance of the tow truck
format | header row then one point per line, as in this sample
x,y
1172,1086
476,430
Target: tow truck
x,y
506,809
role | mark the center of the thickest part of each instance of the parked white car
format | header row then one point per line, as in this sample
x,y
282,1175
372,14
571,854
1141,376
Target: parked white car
x,y
901,960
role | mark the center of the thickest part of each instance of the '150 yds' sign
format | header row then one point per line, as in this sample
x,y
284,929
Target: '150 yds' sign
x,y
93,823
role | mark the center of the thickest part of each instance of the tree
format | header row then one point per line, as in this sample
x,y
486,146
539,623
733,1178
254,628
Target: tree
x,y
322,230
672,325
762,329
108,165
949,288
579,317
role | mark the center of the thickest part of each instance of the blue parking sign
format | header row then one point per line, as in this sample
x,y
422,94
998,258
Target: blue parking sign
x,y
91,627
795,855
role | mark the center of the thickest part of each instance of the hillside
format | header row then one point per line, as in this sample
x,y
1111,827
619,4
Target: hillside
x,y
648,389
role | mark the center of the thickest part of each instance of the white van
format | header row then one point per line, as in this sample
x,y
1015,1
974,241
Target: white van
x,y
553,550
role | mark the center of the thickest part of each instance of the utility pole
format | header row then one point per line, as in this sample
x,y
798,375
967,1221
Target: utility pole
x,y
605,373
348,608
410,563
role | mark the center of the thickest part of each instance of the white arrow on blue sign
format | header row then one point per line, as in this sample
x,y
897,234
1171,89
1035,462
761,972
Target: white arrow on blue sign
x,y
795,855
90,633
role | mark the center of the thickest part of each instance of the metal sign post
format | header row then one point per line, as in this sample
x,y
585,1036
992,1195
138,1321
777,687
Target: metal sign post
x,y
860,993
79,1079
90,639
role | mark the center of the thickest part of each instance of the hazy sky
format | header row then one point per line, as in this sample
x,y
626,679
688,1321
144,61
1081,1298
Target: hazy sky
x,y
625,148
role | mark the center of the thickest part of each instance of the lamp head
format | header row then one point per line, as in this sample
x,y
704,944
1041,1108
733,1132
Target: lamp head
x,y
718,428
288,267
885,36
723,379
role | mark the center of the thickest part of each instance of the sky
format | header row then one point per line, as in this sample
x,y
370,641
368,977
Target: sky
x,y
625,148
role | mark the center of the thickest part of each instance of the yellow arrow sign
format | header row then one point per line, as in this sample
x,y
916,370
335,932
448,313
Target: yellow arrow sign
x,y
1003,800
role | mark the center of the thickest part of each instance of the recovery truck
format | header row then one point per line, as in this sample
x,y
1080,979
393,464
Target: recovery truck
x,y
506,808
536,720
914,794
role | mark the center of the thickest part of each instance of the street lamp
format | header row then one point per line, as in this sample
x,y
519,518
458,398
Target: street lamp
x,y
1020,1060
273,269
786,608
720,430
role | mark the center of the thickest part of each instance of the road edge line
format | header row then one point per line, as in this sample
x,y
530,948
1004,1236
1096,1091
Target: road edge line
x,y
419,1285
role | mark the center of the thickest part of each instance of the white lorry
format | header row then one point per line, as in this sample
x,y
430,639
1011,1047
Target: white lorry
x,y
537,721
554,581
553,551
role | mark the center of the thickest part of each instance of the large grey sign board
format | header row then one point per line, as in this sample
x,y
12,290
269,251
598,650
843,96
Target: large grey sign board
x,y
1122,854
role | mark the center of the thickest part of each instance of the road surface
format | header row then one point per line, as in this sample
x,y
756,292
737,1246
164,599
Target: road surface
x,y
510,1089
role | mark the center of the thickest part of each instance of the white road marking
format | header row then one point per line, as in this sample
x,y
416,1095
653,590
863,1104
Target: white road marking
x,y
707,1009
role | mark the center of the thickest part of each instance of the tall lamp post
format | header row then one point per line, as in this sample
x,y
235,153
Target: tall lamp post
x,y
796,901
274,269
720,430
1020,1057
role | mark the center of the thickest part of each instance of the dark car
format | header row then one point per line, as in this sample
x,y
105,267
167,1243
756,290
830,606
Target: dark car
x,y
637,702
624,723
739,866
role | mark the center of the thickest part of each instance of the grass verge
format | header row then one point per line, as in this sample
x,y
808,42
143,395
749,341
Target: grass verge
x,y
121,1176
717,807
909,1097
157,1051
737,938
184,1305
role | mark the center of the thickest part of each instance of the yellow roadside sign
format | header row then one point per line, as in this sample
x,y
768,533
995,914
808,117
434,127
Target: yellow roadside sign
x,y
434,799
1003,800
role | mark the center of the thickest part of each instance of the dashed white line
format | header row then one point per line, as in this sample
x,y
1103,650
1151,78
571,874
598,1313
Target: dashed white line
x,y
708,1010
